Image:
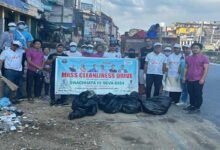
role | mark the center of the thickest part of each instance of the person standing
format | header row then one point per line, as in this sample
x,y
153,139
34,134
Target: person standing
x,y
172,81
7,37
46,72
52,60
12,59
154,68
73,50
196,71
23,36
35,61
184,95
142,55
112,52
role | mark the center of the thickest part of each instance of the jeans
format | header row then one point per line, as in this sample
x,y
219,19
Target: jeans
x,y
52,91
15,77
184,95
34,80
195,93
156,80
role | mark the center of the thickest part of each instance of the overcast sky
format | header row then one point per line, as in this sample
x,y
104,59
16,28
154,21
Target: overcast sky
x,y
141,14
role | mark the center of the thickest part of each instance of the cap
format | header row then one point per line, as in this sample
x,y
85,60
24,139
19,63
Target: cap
x,y
176,45
167,49
12,24
187,46
90,46
21,22
84,46
18,43
73,44
157,44
60,44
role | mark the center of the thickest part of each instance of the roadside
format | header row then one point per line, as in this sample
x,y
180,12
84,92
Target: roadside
x,y
53,131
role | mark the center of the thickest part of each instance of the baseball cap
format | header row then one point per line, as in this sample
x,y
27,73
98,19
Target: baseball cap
x,y
18,43
157,44
187,46
167,49
176,45
90,46
73,44
12,24
21,22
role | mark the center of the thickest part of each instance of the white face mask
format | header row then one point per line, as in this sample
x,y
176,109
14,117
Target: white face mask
x,y
12,28
167,53
73,49
21,26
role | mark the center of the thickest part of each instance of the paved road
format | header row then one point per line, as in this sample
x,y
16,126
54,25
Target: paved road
x,y
211,106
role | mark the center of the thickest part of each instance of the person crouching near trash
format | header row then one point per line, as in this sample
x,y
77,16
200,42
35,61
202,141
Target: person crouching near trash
x,y
12,59
172,81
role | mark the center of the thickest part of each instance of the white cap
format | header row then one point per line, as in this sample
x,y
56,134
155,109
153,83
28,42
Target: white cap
x,y
17,43
21,22
12,24
91,46
188,46
73,44
176,45
168,49
157,44
84,45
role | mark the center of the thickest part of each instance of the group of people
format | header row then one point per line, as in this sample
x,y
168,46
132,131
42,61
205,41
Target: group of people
x,y
177,71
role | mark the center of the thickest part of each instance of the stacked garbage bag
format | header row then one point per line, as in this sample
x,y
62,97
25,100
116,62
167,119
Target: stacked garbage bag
x,y
88,103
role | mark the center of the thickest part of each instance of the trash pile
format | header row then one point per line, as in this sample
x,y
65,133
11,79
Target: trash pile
x,y
9,116
87,104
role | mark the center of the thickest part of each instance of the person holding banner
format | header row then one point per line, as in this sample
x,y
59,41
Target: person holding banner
x,y
155,67
73,50
52,60
112,52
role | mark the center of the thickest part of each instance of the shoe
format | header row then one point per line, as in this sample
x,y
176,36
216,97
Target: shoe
x,y
180,104
194,111
190,107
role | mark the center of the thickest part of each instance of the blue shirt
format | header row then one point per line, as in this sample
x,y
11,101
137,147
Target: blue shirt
x,y
23,37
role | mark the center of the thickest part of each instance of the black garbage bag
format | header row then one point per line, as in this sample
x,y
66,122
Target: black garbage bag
x,y
158,105
131,104
84,105
105,100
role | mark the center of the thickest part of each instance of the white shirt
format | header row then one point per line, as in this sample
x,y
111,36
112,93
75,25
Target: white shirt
x,y
112,55
173,62
155,63
74,54
12,59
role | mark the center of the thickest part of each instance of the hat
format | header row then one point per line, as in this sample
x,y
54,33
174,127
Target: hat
x,y
21,22
60,44
90,46
187,46
18,43
12,24
167,49
157,44
73,44
84,46
176,45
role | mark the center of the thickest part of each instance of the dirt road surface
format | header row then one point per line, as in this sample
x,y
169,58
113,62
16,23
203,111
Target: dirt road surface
x,y
47,128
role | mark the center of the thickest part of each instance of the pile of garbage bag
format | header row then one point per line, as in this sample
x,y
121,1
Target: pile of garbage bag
x,y
88,103
9,116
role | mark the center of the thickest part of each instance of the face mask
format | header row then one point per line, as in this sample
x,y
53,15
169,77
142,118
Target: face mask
x,y
131,55
21,26
73,49
90,51
26,29
12,28
167,53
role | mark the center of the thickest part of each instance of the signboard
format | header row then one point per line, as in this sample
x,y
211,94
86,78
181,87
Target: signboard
x,y
102,75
